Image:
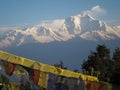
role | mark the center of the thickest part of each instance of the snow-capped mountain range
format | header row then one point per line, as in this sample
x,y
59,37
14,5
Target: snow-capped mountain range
x,y
82,25
69,40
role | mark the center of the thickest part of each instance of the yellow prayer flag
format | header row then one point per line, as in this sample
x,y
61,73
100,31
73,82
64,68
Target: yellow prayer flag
x,y
43,79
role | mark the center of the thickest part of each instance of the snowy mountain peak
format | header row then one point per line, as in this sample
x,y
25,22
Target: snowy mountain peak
x,y
82,23
72,24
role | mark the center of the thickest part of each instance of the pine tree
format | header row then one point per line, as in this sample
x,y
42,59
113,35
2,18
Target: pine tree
x,y
60,65
116,74
99,63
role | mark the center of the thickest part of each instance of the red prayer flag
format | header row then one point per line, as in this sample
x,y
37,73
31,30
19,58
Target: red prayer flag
x,y
9,68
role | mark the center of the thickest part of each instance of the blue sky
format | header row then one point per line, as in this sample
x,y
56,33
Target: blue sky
x,y
15,13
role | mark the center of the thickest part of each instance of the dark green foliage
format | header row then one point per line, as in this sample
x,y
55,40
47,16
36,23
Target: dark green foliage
x,y
116,74
60,65
100,64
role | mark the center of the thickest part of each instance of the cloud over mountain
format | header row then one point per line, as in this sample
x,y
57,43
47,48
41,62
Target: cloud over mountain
x,y
95,11
98,9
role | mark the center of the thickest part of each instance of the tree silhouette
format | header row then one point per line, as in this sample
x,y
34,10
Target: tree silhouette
x,y
116,73
60,65
99,63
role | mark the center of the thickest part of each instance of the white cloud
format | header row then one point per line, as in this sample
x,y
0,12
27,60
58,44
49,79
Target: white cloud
x,y
5,29
96,11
